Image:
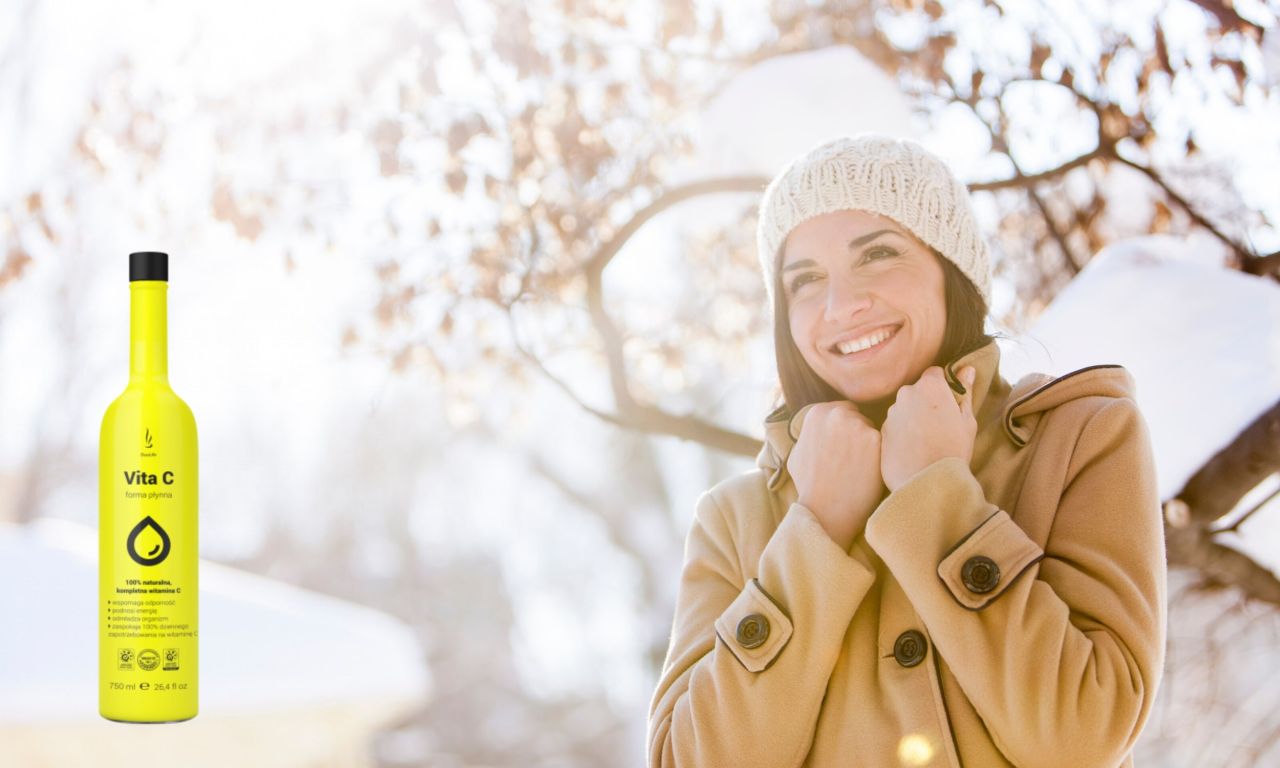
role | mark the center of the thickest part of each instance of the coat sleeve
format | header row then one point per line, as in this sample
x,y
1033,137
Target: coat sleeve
x,y
750,656
1060,651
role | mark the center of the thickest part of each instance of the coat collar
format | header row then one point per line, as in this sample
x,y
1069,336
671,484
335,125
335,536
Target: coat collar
x,y
1000,410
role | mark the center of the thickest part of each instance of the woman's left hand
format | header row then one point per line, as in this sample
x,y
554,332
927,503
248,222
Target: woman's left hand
x,y
926,424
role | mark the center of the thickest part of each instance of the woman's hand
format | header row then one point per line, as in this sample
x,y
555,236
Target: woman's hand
x,y
925,424
835,465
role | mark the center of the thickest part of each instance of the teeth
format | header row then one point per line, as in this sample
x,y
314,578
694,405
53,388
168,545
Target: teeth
x,y
865,342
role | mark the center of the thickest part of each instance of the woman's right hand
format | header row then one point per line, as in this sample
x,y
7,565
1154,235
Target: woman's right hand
x,y
836,468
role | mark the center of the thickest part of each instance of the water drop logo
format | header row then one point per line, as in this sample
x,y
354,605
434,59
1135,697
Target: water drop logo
x,y
155,542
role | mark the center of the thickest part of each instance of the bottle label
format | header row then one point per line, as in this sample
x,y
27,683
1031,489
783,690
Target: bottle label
x,y
149,623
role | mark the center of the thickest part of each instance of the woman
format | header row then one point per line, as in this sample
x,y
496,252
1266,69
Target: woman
x,y
928,566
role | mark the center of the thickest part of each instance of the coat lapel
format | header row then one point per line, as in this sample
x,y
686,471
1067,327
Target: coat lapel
x,y
782,428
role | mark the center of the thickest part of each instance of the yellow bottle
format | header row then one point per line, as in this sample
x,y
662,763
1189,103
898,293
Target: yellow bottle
x,y
147,525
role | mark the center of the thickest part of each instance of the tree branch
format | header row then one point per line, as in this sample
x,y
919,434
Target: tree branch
x,y
1028,180
1001,142
1235,525
646,419
1193,548
1235,470
631,412
1245,255
1214,491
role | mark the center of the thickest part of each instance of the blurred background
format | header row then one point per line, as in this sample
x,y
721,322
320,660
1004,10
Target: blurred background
x,y
465,300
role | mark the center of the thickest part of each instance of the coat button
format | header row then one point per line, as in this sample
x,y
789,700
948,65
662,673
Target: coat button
x,y
910,648
980,574
753,630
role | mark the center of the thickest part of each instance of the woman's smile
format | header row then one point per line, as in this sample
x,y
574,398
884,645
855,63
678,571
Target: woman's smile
x,y
869,352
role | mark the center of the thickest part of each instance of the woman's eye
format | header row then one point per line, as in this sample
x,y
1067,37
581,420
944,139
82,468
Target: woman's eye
x,y
798,281
875,254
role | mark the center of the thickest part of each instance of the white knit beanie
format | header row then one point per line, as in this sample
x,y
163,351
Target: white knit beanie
x,y
894,177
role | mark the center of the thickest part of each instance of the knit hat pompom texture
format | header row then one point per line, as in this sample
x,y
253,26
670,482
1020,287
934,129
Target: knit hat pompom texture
x,y
894,177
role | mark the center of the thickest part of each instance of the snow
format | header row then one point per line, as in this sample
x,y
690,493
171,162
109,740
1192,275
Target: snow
x,y
265,646
766,115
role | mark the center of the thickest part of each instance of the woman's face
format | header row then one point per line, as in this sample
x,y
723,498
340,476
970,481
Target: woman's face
x,y
850,274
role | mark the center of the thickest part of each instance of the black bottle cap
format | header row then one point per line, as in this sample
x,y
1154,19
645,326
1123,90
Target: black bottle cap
x,y
148,265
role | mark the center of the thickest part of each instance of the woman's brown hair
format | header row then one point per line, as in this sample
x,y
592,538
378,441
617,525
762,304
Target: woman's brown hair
x,y
966,312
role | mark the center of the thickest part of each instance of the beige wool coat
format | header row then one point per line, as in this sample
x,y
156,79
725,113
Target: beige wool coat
x,y
1007,613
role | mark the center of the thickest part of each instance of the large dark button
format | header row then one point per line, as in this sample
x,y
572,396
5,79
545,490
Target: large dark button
x,y
910,648
980,574
753,630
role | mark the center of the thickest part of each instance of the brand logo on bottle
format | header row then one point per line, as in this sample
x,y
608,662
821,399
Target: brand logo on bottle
x,y
148,444
156,542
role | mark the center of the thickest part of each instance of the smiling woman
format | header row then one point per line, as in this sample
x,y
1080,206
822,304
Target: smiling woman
x,y
896,284
928,566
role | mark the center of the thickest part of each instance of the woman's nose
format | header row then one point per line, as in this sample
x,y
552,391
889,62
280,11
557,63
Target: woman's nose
x,y
844,298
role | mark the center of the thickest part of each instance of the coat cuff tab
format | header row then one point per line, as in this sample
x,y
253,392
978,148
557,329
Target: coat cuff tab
x,y
754,627
982,565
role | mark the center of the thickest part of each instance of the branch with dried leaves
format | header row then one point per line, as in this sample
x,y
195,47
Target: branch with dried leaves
x,y
629,413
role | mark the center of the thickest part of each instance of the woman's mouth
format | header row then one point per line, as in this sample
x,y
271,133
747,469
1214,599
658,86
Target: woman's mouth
x,y
866,347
